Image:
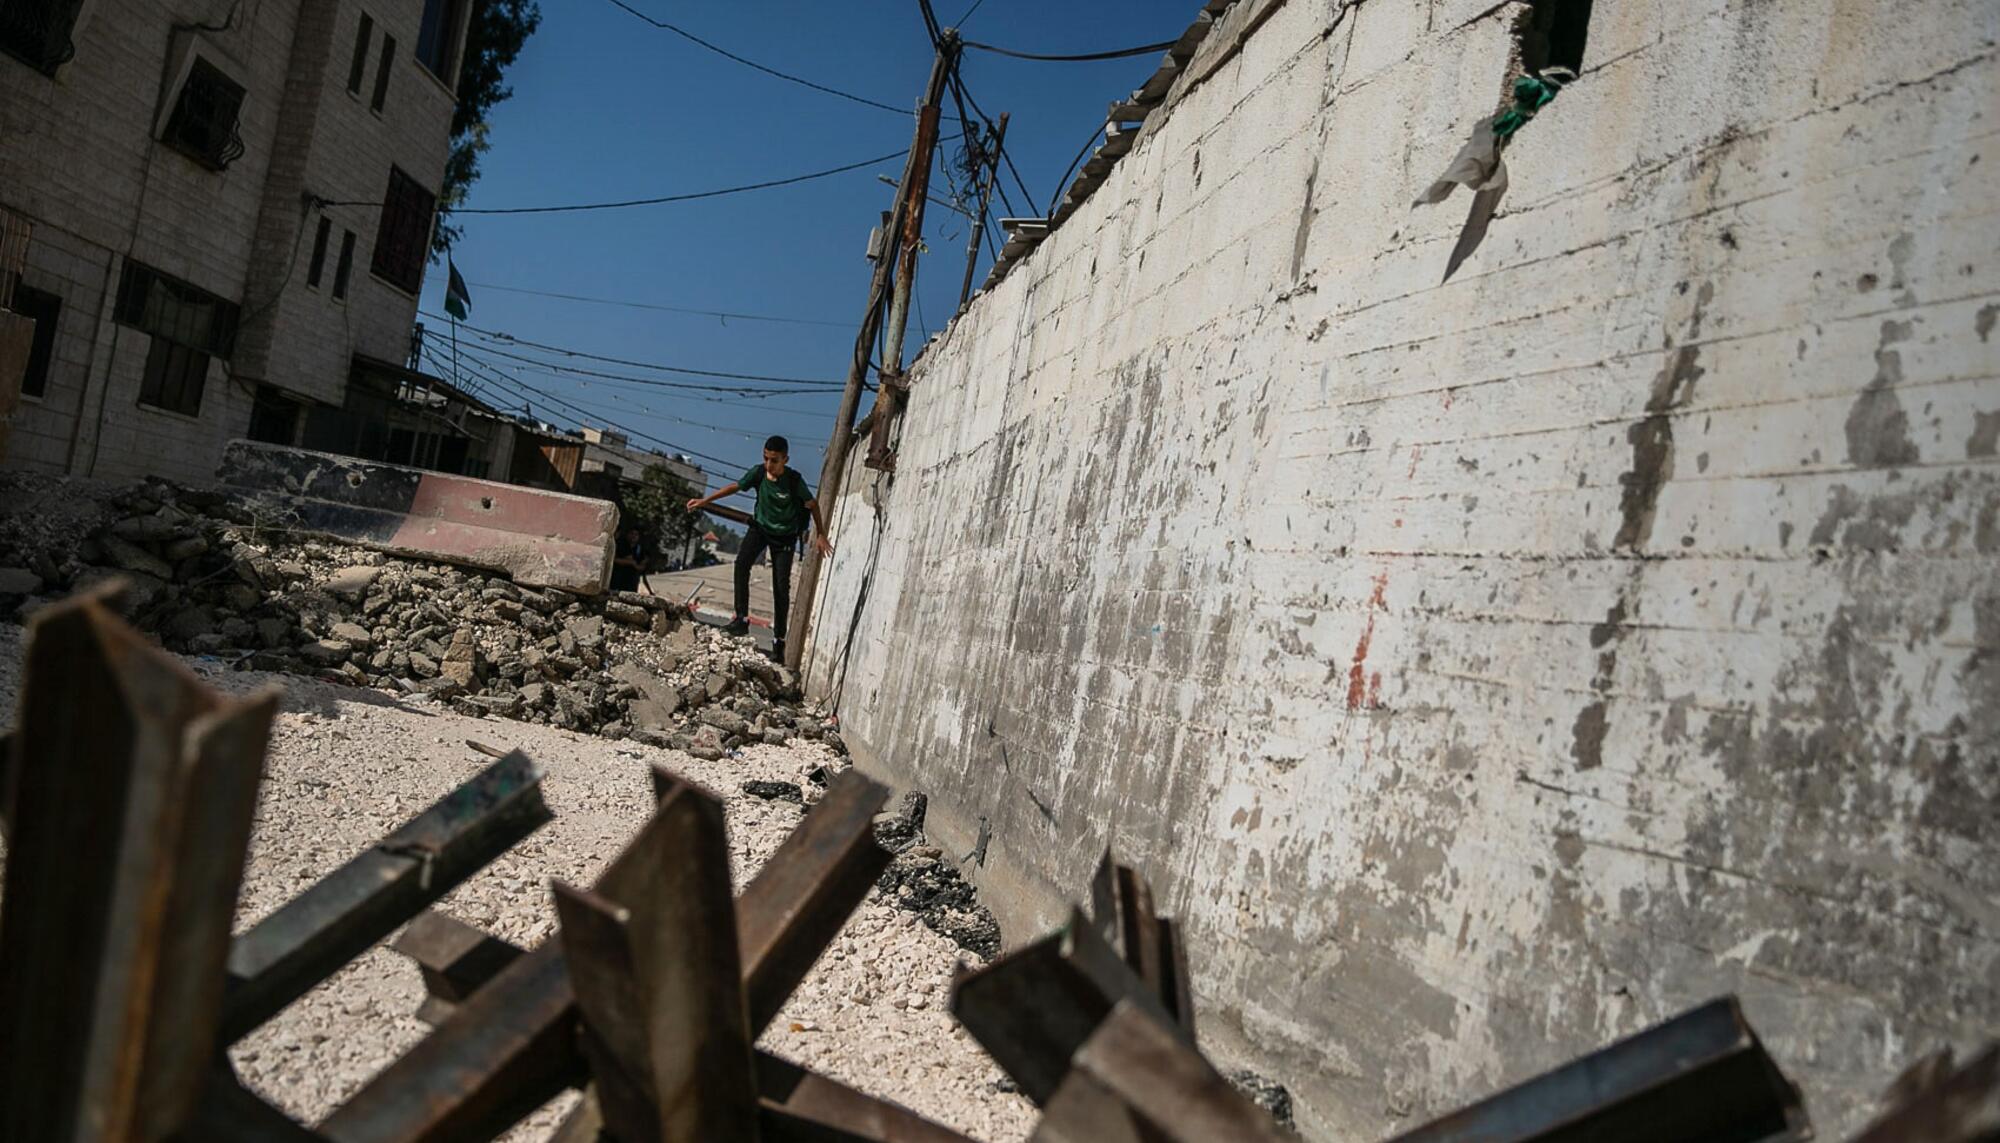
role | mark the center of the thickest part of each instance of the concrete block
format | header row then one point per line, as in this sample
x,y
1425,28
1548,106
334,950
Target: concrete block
x,y
541,539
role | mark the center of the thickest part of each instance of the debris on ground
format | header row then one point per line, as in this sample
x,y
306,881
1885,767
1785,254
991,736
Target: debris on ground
x,y
1266,1093
208,578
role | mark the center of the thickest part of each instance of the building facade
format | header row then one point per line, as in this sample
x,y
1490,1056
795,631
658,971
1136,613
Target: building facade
x,y
229,209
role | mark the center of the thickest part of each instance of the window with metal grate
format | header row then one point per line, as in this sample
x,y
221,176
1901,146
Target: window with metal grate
x,y
37,32
403,239
204,122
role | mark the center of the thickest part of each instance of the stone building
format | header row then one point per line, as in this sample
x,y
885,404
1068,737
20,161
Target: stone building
x,y
229,209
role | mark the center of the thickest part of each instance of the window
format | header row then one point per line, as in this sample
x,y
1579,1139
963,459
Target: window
x,y
404,237
174,377
188,324
346,267
44,309
274,417
203,125
435,49
36,32
359,67
317,267
382,73
1555,34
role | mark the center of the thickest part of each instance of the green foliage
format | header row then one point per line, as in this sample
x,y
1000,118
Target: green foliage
x,y
493,39
659,510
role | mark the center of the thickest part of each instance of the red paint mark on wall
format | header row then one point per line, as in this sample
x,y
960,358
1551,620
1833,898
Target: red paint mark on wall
x,y
1361,694
1416,454
1447,398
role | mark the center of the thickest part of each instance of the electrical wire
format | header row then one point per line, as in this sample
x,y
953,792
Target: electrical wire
x,y
587,415
1085,57
725,315
753,64
566,351
661,199
968,13
1063,182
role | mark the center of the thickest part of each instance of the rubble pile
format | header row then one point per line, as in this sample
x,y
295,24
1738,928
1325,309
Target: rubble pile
x,y
208,578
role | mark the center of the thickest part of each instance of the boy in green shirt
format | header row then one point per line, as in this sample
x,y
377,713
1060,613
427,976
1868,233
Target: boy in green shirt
x,y
783,503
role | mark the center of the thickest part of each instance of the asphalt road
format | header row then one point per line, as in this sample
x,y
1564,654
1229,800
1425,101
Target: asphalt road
x,y
717,594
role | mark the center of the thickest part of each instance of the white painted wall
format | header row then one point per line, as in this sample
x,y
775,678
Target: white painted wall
x,y
1487,670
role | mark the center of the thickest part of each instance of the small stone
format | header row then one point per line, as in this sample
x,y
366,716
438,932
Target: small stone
x,y
422,665
353,633
273,633
775,791
535,695
718,684
352,583
725,720
19,581
132,557
146,529
586,630
629,614
326,652
185,549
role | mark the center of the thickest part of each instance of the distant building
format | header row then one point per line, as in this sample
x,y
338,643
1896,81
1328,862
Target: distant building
x,y
612,467
229,212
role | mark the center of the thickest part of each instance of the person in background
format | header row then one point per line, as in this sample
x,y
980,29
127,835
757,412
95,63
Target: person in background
x,y
784,505
629,561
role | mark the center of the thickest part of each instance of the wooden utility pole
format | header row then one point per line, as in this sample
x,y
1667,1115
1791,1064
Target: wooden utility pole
x,y
979,223
905,229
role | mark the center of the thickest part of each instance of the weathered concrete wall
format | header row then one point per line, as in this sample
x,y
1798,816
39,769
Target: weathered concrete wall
x,y
1486,670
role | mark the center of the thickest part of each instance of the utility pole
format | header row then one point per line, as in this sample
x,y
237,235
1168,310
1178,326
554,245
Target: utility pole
x,y
890,400
985,200
905,220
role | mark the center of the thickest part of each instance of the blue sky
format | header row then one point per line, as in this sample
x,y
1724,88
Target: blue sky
x,y
607,107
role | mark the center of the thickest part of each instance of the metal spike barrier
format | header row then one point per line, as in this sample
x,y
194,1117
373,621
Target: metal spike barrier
x,y
128,803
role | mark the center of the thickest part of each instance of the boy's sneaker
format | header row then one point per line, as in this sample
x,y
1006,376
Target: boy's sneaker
x,y
737,626
778,651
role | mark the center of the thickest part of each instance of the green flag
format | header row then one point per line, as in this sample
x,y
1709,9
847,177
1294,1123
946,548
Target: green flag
x,y
457,302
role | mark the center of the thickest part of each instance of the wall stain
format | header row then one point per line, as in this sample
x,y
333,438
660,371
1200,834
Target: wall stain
x,y
1985,434
1878,430
1983,324
1360,696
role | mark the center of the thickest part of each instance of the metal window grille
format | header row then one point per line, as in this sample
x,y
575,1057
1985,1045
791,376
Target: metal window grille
x,y
169,308
37,32
204,122
403,239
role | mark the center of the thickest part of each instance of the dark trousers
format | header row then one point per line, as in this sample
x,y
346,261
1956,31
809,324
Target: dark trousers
x,y
782,550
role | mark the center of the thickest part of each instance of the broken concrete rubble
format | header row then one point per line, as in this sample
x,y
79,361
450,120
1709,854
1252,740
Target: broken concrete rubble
x,y
480,643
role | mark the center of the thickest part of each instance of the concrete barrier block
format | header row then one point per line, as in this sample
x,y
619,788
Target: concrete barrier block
x,y
541,539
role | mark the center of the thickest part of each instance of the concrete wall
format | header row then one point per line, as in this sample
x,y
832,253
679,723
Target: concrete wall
x,y
80,160
1486,670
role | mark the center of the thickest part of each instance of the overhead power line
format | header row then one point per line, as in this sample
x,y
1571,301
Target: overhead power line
x,y
753,64
655,201
723,314
566,351
1085,57
689,197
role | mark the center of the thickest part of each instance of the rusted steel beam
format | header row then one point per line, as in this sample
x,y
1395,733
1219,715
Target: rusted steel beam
x,y
1034,1007
355,906
1137,1079
454,958
659,984
805,892
803,1107
135,793
1702,1075
1121,902
510,1048
1940,1105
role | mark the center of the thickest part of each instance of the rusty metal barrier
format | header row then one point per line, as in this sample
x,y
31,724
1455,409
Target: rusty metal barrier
x,y
128,792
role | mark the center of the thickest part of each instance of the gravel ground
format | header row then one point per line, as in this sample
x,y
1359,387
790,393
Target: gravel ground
x,y
347,765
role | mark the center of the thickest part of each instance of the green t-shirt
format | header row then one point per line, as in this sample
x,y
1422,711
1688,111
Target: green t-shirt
x,y
781,503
